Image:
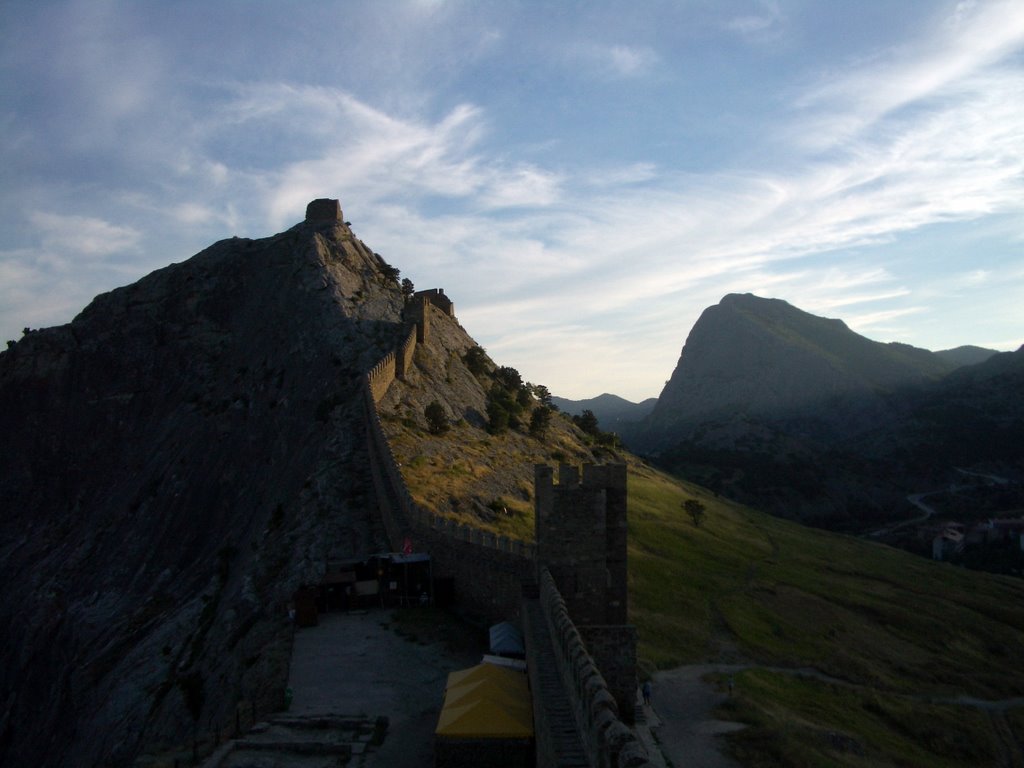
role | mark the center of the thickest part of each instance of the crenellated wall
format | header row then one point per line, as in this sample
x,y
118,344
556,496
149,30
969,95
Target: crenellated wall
x,y
609,743
380,377
406,350
490,573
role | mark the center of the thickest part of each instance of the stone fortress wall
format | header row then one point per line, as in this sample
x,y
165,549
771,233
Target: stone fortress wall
x,y
498,578
606,739
490,572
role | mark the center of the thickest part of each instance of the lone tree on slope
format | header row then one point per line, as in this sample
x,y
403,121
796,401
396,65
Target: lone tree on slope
x,y
695,509
408,289
540,420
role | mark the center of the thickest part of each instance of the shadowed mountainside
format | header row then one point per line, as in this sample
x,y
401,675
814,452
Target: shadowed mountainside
x,y
748,356
799,415
174,461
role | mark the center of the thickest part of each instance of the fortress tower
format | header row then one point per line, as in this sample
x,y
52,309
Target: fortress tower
x,y
417,311
581,539
324,211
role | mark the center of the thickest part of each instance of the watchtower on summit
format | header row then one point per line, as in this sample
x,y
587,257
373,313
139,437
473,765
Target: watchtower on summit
x,y
324,210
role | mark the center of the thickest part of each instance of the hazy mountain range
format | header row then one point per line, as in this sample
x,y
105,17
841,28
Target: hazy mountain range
x,y
611,410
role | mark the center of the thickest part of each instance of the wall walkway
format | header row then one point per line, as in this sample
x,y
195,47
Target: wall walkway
x,y
577,720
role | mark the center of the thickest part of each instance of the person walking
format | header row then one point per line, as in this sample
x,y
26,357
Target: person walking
x,y
646,690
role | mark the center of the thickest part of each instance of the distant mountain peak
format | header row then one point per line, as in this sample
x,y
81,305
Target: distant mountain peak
x,y
751,355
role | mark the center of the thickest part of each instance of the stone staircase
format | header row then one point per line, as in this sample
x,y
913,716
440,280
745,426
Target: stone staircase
x,y
318,741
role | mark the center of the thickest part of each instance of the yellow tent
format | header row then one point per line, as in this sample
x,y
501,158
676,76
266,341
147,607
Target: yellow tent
x,y
509,677
486,702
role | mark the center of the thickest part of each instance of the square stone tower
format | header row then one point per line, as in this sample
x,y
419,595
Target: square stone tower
x,y
581,538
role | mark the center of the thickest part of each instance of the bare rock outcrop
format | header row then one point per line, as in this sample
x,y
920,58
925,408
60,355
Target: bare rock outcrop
x,y
749,356
176,461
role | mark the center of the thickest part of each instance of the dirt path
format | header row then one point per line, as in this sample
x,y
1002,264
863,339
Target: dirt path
x,y
684,704
686,730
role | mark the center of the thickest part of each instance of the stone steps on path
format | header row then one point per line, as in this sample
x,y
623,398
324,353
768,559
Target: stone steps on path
x,y
301,741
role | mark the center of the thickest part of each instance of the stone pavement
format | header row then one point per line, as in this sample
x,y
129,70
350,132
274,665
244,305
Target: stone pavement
x,y
346,673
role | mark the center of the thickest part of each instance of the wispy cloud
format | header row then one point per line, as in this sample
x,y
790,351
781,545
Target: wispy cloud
x,y
937,66
758,25
561,262
613,61
83,234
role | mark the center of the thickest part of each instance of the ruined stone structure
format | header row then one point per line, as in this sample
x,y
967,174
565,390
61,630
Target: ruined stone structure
x,y
417,311
324,211
581,652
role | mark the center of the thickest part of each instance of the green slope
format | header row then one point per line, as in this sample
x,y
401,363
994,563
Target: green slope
x,y
844,652
849,653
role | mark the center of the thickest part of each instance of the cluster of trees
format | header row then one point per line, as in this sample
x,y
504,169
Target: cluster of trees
x,y
515,404
507,400
511,402
587,422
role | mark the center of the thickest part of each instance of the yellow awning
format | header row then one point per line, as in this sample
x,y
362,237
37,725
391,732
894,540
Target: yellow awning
x,y
486,702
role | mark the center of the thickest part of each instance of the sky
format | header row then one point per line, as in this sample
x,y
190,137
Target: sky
x,y
582,178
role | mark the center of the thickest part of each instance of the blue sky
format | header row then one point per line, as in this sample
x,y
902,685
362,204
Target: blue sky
x,y
583,178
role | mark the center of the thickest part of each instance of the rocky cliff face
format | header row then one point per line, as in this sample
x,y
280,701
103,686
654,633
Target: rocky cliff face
x,y
799,415
175,462
749,356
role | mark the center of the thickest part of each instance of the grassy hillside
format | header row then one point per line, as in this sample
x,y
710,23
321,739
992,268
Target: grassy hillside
x,y
469,472
845,652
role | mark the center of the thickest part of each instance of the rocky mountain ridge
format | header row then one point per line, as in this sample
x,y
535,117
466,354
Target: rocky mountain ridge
x,y
766,358
799,415
175,461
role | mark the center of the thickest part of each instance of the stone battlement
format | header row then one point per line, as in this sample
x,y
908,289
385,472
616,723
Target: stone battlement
x,y
436,296
577,569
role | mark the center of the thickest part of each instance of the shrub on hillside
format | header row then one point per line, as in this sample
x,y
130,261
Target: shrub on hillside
x,y
540,420
476,360
497,417
437,419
